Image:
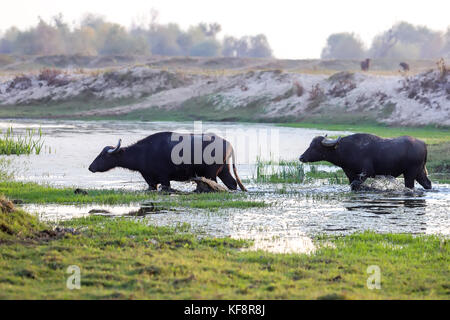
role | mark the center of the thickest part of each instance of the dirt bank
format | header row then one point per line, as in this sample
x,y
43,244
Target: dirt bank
x,y
263,95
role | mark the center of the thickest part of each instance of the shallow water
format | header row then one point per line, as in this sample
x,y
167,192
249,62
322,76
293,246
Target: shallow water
x,y
297,211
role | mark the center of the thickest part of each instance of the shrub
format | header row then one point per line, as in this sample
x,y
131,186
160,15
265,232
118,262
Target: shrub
x,y
21,82
316,92
53,77
298,88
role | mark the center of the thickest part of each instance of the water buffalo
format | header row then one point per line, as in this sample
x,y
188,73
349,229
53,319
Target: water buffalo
x,y
365,64
365,155
404,66
166,156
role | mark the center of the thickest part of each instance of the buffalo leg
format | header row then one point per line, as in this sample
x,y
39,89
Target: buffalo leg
x,y
165,185
211,175
350,175
355,185
354,180
409,181
151,185
227,178
423,180
361,178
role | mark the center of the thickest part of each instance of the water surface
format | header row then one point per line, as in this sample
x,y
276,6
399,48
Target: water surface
x,y
296,211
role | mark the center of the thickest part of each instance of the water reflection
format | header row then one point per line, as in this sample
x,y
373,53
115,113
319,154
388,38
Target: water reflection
x,y
296,244
384,205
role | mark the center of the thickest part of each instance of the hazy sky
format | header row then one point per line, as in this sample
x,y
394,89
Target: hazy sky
x,y
295,29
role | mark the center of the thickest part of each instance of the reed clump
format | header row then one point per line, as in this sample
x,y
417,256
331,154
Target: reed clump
x,y
292,171
31,142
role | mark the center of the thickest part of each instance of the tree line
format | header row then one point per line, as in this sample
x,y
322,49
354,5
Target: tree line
x,y
94,35
402,41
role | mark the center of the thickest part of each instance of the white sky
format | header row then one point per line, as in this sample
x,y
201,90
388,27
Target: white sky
x,y
296,29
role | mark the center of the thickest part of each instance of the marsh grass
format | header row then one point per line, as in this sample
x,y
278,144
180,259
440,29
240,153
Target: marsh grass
x,y
292,171
29,192
30,142
211,201
282,171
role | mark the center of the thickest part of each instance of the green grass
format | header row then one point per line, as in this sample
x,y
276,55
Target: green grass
x,y
197,108
12,143
431,135
439,158
17,224
127,259
62,109
212,201
29,192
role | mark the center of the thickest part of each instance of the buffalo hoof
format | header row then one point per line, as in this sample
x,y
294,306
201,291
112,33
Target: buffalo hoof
x,y
427,185
356,185
165,189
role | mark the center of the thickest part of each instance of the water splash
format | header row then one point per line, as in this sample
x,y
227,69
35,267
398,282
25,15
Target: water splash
x,y
388,184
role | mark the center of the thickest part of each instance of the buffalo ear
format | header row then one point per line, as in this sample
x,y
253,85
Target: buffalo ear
x,y
330,142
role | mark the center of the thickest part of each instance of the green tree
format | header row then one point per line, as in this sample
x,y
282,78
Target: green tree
x,y
207,48
406,41
247,46
343,46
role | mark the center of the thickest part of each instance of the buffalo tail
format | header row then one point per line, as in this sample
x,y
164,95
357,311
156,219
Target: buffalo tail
x,y
238,180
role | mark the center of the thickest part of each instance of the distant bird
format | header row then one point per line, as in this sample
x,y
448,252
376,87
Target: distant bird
x,y
404,66
365,65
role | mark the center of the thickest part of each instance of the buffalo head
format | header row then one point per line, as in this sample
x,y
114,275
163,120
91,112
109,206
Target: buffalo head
x,y
319,148
107,159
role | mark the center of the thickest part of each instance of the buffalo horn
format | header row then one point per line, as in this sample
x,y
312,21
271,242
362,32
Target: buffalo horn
x,y
116,148
330,142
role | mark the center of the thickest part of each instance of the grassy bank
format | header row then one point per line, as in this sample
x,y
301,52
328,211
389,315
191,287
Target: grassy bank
x,y
35,193
431,135
127,259
15,224
63,110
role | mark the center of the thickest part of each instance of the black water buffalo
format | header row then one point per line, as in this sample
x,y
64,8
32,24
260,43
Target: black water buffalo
x,y
404,66
364,155
365,64
167,156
